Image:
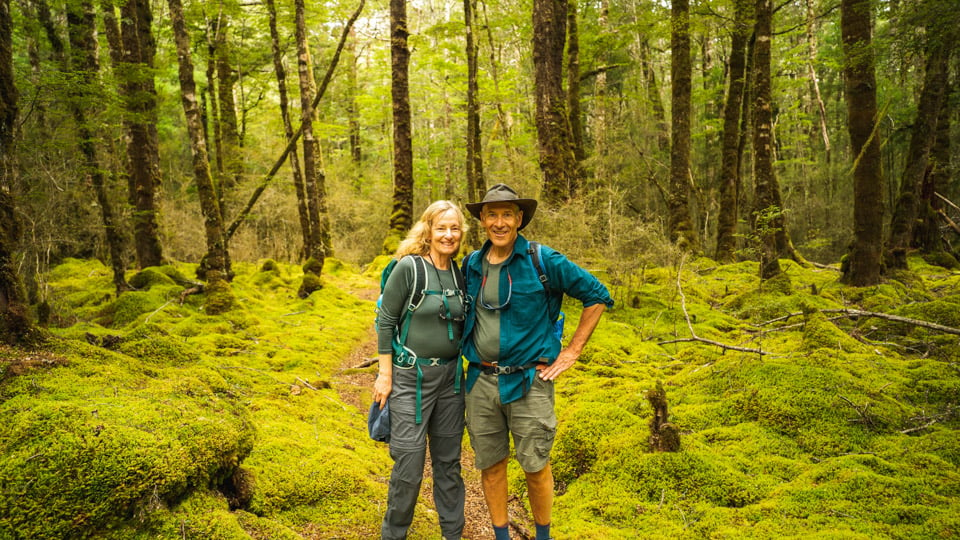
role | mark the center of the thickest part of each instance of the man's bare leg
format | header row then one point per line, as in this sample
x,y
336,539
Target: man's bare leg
x,y
494,480
540,491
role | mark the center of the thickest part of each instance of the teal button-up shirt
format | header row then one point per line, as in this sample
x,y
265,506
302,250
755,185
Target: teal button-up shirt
x,y
526,323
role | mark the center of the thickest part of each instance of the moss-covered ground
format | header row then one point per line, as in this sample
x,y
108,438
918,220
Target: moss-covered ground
x,y
144,417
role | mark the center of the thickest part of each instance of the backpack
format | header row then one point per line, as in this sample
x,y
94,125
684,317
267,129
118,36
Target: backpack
x,y
534,252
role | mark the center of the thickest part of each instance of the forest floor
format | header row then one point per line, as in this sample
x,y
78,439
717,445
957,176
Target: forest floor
x,y
353,383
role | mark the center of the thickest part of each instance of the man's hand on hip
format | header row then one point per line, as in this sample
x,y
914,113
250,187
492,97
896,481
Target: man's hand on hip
x,y
565,360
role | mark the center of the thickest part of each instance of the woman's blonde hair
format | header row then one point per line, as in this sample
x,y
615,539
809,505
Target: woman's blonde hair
x,y
417,241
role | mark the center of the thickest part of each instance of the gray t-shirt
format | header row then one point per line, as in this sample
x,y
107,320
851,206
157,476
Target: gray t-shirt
x,y
486,332
428,335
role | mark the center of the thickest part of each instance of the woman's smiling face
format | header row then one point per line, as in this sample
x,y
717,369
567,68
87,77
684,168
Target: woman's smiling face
x,y
445,234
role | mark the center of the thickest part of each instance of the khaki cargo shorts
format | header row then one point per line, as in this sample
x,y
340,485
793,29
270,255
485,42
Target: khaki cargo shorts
x,y
531,420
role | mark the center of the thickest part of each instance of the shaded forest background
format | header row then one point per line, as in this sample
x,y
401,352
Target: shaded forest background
x,y
72,161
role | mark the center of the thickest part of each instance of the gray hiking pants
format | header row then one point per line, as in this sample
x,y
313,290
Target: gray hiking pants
x,y
442,426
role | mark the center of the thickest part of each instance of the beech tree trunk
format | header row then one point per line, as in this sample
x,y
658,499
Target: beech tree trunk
x,y
769,210
653,96
573,86
215,268
814,81
401,219
292,156
476,186
132,50
909,207
730,153
353,110
312,175
15,324
81,24
937,181
557,160
230,144
680,222
864,259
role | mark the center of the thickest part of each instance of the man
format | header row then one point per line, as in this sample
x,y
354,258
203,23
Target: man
x,y
513,353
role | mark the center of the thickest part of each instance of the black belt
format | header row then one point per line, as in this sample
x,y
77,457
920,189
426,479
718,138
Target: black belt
x,y
497,369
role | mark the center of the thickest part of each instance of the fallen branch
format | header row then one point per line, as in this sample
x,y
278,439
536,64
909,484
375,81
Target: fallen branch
x,y
366,363
896,318
693,334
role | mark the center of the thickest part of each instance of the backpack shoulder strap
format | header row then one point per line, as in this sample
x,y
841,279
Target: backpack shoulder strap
x,y
534,251
419,282
385,273
458,274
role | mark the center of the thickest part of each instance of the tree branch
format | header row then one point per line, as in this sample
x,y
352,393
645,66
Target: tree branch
x,y
296,135
693,334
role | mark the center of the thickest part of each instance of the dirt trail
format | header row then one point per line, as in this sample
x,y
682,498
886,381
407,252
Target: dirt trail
x,y
354,387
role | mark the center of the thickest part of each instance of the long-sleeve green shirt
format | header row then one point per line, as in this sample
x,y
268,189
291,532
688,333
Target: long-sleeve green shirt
x,y
428,335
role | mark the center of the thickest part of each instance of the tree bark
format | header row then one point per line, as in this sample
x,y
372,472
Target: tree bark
x,y
769,210
908,207
281,74
730,154
401,218
937,180
353,110
132,49
476,186
864,258
814,81
230,144
653,96
215,268
316,245
681,227
557,160
16,327
81,24
573,86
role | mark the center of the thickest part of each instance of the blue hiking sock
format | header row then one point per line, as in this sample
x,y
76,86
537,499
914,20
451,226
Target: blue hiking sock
x,y
501,533
543,532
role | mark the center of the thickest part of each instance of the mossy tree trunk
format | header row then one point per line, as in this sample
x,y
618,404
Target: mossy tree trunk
x,y
476,186
768,212
680,222
81,26
292,156
937,181
15,323
132,49
353,108
573,87
401,218
557,160
215,267
730,153
230,144
909,207
653,96
316,243
864,258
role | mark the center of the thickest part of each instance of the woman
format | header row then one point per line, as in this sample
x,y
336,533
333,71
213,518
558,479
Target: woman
x,y
422,382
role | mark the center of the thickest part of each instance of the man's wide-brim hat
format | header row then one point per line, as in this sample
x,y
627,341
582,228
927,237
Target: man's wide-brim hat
x,y
502,193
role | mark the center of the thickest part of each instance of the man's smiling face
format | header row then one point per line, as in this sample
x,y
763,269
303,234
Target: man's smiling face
x,y
501,221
